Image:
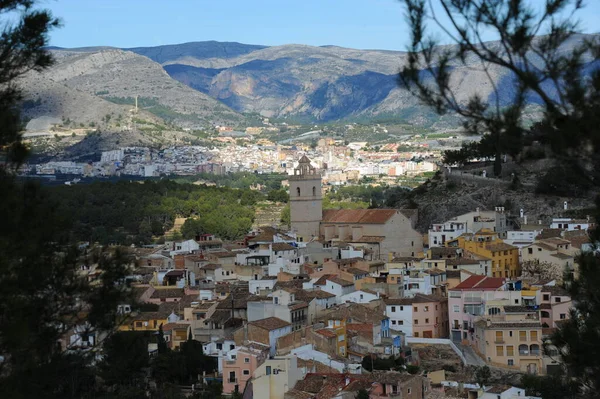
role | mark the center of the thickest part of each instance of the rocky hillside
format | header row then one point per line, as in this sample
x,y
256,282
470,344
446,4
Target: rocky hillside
x,y
88,84
315,83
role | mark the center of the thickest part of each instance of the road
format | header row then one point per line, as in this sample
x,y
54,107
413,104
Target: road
x,y
470,355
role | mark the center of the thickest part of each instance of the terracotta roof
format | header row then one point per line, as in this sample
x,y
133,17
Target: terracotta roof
x,y
406,259
164,293
343,283
555,290
547,233
358,216
298,305
308,296
282,246
347,261
326,332
353,313
270,323
323,279
369,239
221,254
480,283
554,241
418,298
501,246
355,271
579,241
392,377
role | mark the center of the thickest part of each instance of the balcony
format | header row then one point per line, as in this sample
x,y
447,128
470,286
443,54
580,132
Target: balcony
x,y
499,341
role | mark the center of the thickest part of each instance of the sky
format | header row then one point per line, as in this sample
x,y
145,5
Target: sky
x,y
363,24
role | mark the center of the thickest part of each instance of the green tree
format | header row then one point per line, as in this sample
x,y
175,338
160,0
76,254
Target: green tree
x,y
125,357
564,79
564,83
483,375
362,394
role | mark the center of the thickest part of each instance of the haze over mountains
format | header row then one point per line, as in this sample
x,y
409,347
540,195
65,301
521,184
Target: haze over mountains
x,y
206,83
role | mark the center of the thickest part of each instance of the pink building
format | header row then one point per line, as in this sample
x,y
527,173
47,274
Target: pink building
x,y
554,306
469,299
239,365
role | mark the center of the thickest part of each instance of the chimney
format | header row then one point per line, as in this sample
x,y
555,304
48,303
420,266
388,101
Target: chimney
x,y
525,219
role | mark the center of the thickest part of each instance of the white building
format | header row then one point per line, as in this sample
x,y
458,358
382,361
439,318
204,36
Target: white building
x,y
571,224
359,297
440,233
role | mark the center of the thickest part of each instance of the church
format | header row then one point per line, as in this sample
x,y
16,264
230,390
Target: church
x,y
385,233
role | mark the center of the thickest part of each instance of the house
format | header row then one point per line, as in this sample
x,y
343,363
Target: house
x,y
572,224
240,365
489,220
512,339
176,333
385,233
263,285
423,316
282,304
273,378
438,234
166,294
183,247
502,392
476,296
486,243
354,313
555,252
333,339
388,384
266,331
337,286
554,306
361,296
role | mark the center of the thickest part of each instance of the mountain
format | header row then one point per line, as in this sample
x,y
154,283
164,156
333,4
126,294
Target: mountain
x,y
201,84
325,83
86,84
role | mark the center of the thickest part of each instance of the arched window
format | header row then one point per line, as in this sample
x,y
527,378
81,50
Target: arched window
x,y
534,349
298,191
493,311
545,314
314,191
523,349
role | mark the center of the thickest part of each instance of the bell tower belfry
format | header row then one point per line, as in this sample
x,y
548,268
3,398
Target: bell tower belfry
x,y
306,202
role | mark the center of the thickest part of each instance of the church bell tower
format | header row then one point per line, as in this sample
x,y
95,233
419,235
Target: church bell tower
x,y
306,207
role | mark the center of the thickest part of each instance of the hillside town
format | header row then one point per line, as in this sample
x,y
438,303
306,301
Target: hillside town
x,y
311,312
341,163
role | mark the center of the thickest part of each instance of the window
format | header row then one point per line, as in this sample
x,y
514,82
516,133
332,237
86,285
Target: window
x,y
499,336
393,322
533,335
426,309
456,308
408,391
530,250
511,362
219,346
400,322
341,338
436,307
246,360
276,299
416,322
563,316
268,368
510,350
499,350
231,347
510,333
426,321
246,372
522,335
557,299
416,335
298,191
393,309
415,309
546,297
314,191
401,308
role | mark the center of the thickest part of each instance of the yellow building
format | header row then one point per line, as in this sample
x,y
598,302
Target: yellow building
x,y
513,339
486,243
145,321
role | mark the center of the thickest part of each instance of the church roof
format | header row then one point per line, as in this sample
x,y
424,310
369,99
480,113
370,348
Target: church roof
x,y
358,216
304,159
